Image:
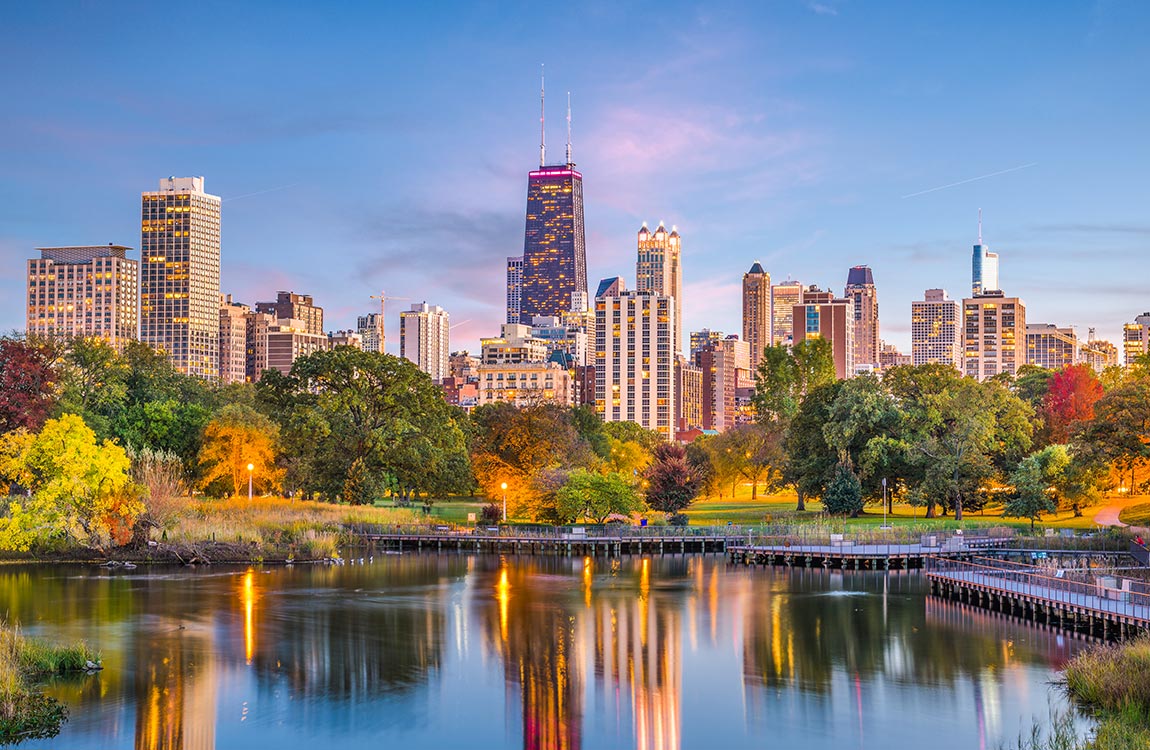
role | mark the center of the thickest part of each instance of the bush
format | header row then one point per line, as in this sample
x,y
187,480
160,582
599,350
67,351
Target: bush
x,y
491,513
844,494
679,519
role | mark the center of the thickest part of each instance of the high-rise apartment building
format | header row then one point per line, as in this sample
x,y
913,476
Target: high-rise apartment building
x,y
370,330
425,338
784,297
180,274
860,290
233,340
659,269
1136,339
758,316
298,307
725,367
984,266
823,316
688,394
699,339
84,291
514,287
1099,353
514,344
936,330
344,338
287,340
554,246
1050,346
889,356
994,335
635,359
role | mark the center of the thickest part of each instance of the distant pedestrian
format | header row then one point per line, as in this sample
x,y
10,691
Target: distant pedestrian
x,y
1138,541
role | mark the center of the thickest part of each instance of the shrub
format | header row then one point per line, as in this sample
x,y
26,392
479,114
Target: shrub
x,y
844,494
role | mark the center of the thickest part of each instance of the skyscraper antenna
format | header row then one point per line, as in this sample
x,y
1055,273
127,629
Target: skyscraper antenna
x,y
569,129
980,226
542,116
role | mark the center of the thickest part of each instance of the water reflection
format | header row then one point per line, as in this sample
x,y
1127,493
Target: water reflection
x,y
547,652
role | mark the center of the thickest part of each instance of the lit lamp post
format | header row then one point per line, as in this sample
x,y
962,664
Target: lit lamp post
x,y
251,468
884,506
504,486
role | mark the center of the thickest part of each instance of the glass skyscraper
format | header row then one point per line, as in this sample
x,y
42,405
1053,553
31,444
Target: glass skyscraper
x,y
554,247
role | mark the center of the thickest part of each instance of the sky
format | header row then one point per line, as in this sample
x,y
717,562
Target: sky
x,y
366,146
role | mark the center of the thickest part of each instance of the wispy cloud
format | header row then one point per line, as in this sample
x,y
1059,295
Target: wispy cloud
x,y
822,9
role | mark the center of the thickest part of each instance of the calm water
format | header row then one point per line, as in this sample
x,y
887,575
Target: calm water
x,y
437,652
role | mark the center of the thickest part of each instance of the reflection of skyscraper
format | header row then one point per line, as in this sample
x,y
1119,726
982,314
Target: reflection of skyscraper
x,y
554,247
175,684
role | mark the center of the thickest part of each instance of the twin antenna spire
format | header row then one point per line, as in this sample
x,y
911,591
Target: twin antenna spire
x,y
980,226
543,120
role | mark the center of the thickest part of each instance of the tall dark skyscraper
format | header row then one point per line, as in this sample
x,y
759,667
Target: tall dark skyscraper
x,y
554,247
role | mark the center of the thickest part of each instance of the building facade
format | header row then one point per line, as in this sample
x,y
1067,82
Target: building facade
x,y
889,356
659,270
180,274
823,316
514,287
984,266
635,360
860,290
784,297
298,307
425,338
370,330
702,338
994,335
554,246
936,330
1051,347
758,315
725,367
287,340
84,291
525,384
1136,339
233,340
689,394
514,344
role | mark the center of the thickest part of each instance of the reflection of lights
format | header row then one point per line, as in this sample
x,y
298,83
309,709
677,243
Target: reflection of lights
x,y
587,581
503,591
644,590
249,605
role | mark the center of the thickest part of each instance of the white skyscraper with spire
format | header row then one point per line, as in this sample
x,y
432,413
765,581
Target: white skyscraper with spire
x,y
984,266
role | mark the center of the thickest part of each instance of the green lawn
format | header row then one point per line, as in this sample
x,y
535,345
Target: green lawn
x,y
1136,515
452,509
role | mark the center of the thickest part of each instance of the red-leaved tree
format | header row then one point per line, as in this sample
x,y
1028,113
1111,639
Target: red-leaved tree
x,y
1069,399
27,384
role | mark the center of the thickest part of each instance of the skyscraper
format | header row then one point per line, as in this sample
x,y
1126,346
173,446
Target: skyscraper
x,y
984,266
784,297
514,287
180,274
936,330
758,316
298,307
994,334
635,359
861,291
1052,347
1136,338
554,246
424,338
658,269
370,330
84,291
233,340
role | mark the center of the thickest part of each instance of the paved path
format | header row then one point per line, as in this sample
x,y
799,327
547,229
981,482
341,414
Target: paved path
x,y
1108,516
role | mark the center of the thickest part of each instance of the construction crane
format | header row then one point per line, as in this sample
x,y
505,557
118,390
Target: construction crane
x,y
383,297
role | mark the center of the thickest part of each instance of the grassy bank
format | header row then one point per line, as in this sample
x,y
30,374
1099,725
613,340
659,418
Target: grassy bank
x,y
1113,681
1136,515
25,713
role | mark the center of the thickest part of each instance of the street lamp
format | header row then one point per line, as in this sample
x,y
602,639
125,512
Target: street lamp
x,y
504,486
251,468
884,506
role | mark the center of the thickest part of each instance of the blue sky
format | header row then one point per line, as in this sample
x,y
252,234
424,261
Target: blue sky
x,y
361,146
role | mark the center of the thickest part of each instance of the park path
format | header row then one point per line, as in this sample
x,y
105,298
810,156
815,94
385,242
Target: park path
x,y
1108,516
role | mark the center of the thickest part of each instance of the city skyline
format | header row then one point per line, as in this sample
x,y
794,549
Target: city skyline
x,y
762,167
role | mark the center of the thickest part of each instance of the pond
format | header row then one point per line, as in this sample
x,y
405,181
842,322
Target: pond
x,y
427,651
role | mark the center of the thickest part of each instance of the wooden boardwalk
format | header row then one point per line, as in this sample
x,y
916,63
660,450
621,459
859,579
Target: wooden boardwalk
x,y
869,556
1108,607
555,544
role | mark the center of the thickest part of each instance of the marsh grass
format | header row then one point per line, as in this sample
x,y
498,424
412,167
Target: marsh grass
x,y
24,712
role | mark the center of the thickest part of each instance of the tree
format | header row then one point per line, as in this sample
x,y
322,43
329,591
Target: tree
x,y
92,381
787,374
1036,482
239,436
862,422
27,384
80,487
1031,383
1070,398
843,495
671,482
1119,433
596,496
810,463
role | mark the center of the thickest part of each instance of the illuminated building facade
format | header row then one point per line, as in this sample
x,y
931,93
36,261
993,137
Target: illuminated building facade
x,y
180,274
298,307
936,330
860,290
699,339
689,392
425,338
758,315
514,287
784,297
1051,347
659,270
635,360
526,384
1099,353
84,291
994,335
554,246
1136,338
370,330
725,368
984,267
233,340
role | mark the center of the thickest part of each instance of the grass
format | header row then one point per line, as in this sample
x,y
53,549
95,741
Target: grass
x,y
780,507
24,712
1136,515
1113,681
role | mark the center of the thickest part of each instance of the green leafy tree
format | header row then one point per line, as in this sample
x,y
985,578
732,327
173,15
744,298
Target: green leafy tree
x,y
862,425
810,462
595,496
1119,433
1036,483
787,374
843,495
